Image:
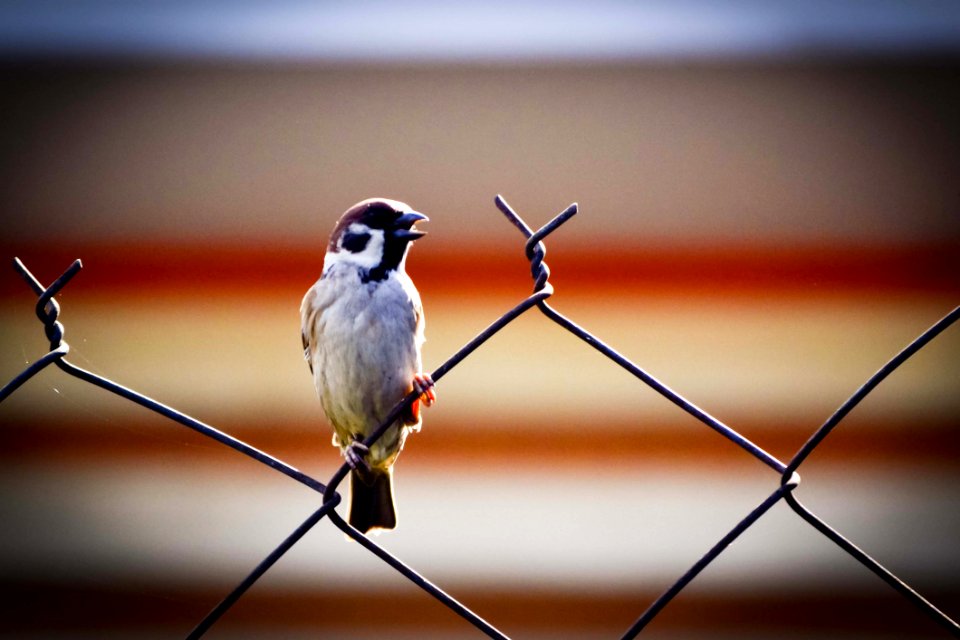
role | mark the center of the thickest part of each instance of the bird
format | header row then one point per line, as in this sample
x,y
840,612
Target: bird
x,y
362,327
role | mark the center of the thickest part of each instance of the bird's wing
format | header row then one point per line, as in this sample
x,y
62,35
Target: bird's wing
x,y
311,306
306,349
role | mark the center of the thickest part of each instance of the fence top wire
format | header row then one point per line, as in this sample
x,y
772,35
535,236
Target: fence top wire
x,y
47,310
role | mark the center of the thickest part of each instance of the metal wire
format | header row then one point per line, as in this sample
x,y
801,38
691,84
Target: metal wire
x,y
47,310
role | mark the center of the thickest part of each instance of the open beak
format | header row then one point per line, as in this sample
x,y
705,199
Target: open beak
x,y
404,226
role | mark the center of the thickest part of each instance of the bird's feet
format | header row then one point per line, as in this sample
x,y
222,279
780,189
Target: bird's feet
x,y
355,455
423,385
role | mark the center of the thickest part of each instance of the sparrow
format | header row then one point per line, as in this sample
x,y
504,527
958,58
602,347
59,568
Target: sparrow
x,y
362,326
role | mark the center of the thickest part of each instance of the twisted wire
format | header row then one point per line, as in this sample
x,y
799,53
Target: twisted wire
x,y
328,509
48,310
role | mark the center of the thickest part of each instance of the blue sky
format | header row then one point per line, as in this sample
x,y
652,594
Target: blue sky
x,y
421,30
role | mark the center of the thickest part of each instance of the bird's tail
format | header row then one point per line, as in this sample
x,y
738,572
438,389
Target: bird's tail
x,y
371,500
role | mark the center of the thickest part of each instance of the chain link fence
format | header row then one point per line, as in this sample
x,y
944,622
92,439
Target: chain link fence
x,y
785,481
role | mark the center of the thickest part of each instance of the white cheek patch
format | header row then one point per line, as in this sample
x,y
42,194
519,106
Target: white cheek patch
x,y
367,259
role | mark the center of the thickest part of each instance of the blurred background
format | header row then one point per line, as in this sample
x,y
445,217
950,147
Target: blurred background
x,y
769,210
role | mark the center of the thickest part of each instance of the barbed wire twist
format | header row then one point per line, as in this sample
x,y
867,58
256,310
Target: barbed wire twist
x,y
47,311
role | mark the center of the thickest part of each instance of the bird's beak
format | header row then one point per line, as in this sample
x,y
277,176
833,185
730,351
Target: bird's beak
x,y
404,226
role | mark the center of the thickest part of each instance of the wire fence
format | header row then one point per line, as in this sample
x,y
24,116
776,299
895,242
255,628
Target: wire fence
x,y
788,478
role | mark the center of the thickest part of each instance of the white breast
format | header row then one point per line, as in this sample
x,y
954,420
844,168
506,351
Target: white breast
x,y
364,347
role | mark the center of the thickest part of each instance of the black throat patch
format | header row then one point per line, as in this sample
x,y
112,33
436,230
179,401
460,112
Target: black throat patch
x,y
394,250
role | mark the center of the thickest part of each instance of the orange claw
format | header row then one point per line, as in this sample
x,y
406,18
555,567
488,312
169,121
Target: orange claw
x,y
423,384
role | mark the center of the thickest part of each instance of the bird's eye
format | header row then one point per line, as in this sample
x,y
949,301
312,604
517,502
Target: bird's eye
x,y
355,242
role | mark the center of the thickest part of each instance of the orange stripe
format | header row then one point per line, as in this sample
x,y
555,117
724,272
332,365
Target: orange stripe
x,y
750,270
683,442
405,610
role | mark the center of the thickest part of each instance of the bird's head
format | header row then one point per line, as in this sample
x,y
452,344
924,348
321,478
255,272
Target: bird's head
x,y
374,236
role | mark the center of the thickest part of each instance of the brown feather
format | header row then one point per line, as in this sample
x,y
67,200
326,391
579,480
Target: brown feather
x,y
371,500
